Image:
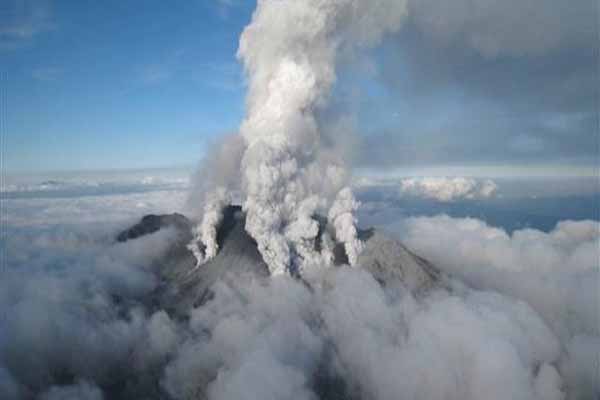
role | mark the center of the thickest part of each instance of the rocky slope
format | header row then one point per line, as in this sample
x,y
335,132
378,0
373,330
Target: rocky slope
x,y
185,286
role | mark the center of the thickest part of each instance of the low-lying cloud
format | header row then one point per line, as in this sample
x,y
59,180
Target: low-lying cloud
x,y
556,273
349,336
72,309
77,323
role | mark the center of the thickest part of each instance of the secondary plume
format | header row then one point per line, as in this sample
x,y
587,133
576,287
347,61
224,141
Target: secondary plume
x,y
289,52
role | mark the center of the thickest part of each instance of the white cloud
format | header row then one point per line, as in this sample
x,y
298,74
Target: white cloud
x,y
556,273
101,210
270,339
273,338
448,189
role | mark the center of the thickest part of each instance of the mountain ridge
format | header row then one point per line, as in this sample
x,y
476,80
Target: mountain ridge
x,y
185,285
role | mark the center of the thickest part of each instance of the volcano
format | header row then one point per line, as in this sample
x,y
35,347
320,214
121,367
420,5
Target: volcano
x,y
185,285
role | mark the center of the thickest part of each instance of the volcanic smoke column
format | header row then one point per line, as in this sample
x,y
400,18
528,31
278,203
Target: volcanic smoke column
x,y
289,52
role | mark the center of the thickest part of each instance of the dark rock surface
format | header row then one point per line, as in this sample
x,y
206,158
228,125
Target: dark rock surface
x,y
152,223
185,285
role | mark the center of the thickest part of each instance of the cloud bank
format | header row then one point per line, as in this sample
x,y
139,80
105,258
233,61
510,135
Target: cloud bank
x,y
527,326
448,189
556,273
72,311
351,337
442,189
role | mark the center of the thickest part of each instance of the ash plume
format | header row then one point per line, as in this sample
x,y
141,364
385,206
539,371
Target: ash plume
x,y
290,51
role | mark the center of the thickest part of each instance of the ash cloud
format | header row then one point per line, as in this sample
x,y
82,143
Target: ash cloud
x,y
524,75
512,28
290,51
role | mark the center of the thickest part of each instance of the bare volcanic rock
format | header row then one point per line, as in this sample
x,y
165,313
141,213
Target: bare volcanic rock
x,y
185,285
152,223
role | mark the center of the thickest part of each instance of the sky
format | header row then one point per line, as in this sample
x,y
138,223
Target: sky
x,y
110,85
90,85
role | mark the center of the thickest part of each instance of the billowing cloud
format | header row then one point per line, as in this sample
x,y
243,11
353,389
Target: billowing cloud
x,y
556,273
350,336
528,326
70,306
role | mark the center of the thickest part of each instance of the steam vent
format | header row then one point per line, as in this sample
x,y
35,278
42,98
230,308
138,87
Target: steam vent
x,y
184,285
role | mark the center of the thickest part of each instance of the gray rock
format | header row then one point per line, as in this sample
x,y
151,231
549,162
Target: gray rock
x,y
185,285
152,223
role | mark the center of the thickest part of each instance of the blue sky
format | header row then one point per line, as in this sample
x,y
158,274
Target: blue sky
x,y
113,84
117,84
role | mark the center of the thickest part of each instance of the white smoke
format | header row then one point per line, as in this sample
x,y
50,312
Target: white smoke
x,y
342,218
290,51
207,231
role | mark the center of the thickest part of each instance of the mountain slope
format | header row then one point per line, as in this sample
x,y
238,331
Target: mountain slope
x,y
185,285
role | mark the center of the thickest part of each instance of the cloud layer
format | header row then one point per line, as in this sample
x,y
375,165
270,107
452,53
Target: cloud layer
x,y
529,326
556,273
277,339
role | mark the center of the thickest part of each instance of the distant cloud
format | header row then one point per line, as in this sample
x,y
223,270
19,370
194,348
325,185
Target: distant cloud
x,y
448,189
22,20
443,189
